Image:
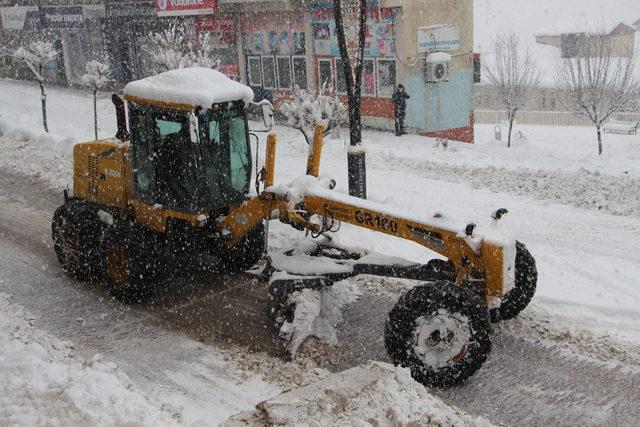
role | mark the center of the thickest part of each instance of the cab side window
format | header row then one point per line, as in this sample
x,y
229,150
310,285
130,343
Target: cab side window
x,y
143,156
239,154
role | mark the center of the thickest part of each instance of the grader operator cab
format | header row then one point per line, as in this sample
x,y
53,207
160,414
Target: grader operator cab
x,y
176,183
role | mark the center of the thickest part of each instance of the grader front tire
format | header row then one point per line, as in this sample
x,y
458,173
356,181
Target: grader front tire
x,y
441,332
518,298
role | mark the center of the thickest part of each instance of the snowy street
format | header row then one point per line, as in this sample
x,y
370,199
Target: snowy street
x,y
203,349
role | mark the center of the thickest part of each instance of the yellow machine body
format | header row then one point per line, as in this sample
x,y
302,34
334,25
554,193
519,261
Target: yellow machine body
x,y
103,175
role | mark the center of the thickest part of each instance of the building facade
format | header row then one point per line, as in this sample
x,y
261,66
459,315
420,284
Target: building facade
x,y
276,45
75,28
287,43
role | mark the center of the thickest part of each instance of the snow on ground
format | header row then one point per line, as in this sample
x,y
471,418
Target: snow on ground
x,y
43,383
373,394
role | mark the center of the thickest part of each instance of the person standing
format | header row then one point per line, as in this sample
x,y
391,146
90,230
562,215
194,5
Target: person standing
x,y
400,105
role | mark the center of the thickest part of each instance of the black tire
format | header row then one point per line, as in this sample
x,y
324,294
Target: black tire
x,y
518,298
132,262
407,333
246,253
77,233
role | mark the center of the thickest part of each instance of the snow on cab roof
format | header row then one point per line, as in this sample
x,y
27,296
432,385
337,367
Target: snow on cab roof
x,y
193,86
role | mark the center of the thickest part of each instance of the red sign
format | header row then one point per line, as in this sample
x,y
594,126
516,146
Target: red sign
x,y
185,7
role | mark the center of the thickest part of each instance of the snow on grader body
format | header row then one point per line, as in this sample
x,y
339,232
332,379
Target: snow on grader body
x,y
178,185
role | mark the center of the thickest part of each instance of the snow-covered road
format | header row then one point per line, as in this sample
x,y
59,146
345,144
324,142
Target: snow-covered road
x,y
174,348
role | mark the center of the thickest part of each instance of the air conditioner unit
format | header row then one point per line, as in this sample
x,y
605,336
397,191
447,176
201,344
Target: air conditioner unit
x,y
437,67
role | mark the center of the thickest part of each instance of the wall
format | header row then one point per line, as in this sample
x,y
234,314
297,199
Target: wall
x,y
445,106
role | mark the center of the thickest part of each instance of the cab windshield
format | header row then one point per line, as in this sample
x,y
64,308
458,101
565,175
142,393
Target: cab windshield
x,y
172,170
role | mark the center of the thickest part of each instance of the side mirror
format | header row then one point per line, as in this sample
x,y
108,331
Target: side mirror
x,y
267,115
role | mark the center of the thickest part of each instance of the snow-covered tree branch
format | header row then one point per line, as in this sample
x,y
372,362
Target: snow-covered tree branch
x,y
36,55
598,81
171,49
8,41
512,75
309,108
97,76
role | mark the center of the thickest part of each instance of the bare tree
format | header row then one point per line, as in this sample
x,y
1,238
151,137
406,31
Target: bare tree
x,y
512,75
308,108
171,49
598,81
36,55
351,17
97,76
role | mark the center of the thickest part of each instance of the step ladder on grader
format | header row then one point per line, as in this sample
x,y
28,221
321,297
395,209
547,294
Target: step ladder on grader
x,y
176,183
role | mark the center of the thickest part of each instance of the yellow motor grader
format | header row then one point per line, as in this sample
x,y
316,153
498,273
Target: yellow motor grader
x,y
175,183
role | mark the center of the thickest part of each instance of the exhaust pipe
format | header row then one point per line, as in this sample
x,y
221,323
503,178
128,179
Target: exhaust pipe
x,y
121,118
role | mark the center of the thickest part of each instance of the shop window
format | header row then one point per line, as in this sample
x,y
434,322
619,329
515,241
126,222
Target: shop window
x,y
386,77
255,71
298,43
284,72
325,72
543,104
300,71
368,78
269,72
552,104
341,82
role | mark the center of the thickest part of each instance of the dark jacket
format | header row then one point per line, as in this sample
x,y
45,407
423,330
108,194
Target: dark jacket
x,y
400,102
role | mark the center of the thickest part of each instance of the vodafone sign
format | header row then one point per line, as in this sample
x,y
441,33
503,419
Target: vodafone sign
x,y
185,7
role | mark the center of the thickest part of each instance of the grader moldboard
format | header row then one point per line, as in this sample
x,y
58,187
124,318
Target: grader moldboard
x,y
178,185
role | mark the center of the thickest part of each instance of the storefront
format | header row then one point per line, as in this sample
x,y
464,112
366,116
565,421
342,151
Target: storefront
x,y
379,73
276,54
77,31
430,54
127,25
20,25
222,39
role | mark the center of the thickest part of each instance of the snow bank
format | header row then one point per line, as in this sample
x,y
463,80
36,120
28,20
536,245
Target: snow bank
x,y
43,383
193,86
42,155
371,394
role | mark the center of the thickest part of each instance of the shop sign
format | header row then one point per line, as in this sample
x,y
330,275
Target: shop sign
x,y
220,29
62,17
438,38
218,23
185,7
129,10
13,18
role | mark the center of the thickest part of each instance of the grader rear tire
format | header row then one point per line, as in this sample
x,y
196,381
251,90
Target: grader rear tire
x,y
441,332
77,232
132,263
518,298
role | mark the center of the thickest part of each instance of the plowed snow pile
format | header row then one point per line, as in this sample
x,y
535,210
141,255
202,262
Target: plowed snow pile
x,y
44,384
372,394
